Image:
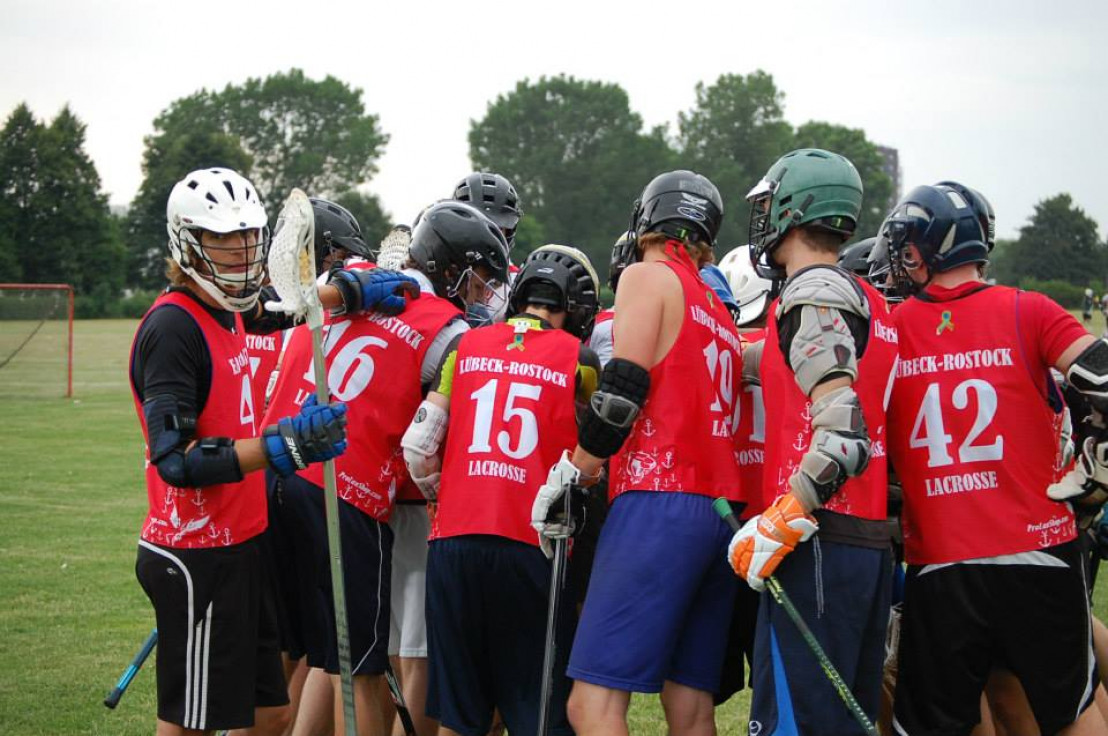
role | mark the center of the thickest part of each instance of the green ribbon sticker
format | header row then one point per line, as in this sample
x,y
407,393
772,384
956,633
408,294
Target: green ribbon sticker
x,y
946,324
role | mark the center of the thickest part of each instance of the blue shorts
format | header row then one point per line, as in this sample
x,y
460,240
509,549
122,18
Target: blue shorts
x,y
486,633
660,597
843,593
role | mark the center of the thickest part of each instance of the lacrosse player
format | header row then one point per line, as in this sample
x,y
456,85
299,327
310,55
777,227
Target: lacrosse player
x,y
975,421
218,662
826,361
377,365
664,410
509,395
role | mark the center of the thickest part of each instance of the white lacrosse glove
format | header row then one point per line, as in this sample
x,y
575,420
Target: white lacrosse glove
x,y
551,495
759,547
1087,483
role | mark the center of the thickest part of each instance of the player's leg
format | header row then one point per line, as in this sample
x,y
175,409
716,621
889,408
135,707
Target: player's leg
x,y
408,633
367,563
697,663
517,585
946,609
595,710
631,624
842,592
1050,647
305,520
459,691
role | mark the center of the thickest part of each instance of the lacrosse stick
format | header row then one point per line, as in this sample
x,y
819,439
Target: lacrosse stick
x,y
398,700
112,699
292,272
557,582
723,507
394,248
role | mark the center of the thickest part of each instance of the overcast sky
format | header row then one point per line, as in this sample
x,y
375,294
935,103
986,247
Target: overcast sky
x,y
1008,97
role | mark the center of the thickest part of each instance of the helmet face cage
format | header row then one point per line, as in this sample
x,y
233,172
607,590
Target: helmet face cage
x,y
237,289
482,299
762,235
880,274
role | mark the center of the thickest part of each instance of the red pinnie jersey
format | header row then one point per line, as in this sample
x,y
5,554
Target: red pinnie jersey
x,y
264,350
511,416
751,436
972,435
227,513
789,419
684,438
373,365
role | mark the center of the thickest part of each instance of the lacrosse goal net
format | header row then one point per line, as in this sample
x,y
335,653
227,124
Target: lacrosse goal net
x,y
36,339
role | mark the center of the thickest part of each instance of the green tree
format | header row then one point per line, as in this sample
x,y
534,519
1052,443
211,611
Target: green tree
x,y
732,135
54,210
296,131
1059,242
852,143
166,159
369,213
576,153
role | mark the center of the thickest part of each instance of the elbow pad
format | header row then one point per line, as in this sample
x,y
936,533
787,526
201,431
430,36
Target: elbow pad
x,y
210,461
613,407
169,427
1089,374
839,450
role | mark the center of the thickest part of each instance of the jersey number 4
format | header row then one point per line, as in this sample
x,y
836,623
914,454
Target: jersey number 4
x,y
929,431
486,408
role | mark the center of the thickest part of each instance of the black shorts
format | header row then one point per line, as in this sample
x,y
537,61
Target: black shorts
x,y
367,568
277,558
301,564
486,632
218,655
1030,617
740,643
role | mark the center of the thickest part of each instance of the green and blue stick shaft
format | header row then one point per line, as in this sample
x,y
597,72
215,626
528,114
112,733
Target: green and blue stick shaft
x,y
112,700
723,507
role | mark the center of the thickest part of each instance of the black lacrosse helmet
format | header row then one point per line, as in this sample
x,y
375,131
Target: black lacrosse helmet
x,y
562,278
452,237
336,227
495,197
855,257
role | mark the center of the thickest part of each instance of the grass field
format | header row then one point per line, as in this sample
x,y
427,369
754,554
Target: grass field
x,y
71,504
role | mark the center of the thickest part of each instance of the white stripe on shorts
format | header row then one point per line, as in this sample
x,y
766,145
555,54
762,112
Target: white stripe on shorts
x,y
196,652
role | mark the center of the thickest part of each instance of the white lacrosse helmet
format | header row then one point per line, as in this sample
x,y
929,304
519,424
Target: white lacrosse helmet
x,y
219,201
752,292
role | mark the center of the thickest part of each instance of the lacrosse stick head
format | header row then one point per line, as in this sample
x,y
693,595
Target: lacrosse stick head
x,y
394,248
292,261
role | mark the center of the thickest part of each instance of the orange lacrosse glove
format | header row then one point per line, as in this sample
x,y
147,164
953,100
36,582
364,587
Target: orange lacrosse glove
x,y
758,548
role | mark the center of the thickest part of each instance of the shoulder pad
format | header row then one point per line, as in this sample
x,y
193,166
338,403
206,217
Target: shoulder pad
x,y
824,286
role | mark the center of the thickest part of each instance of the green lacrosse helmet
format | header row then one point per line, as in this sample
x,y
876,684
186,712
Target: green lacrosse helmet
x,y
809,187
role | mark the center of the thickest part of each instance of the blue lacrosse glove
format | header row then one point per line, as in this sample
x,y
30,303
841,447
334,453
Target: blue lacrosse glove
x,y
373,289
316,434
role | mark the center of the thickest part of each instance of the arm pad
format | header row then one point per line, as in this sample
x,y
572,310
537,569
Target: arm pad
x,y
613,407
822,345
427,430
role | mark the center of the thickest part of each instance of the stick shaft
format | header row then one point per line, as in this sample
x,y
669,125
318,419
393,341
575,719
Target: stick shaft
x,y
334,545
112,699
774,585
398,700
